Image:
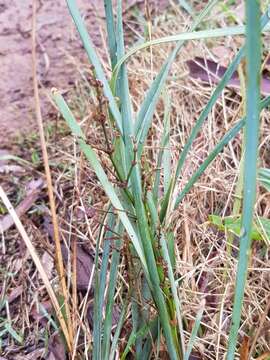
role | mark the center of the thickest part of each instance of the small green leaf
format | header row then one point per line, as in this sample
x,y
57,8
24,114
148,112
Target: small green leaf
x,y
232,224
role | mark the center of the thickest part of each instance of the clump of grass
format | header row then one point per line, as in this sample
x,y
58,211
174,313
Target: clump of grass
x,y
137,208
164,276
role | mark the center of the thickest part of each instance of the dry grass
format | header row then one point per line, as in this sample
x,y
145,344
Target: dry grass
x,y
204,267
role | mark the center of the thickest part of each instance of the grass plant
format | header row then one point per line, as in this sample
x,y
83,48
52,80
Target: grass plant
x,y
143,214
145,183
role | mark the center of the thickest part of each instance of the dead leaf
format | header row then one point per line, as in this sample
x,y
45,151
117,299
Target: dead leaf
x,y
244,348
210,72
84,267
57,349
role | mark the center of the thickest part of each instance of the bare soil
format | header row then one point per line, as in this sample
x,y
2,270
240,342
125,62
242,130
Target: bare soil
x,y
59,50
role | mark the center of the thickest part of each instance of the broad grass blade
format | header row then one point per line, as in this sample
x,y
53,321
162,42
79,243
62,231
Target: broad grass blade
x,y
100,284
253,71
111,32
122,91
177,302
111,292
167,151
163,144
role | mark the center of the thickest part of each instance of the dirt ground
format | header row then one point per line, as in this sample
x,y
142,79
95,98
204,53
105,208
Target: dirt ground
x,y
59,50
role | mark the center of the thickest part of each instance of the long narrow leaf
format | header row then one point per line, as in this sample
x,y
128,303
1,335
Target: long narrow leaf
x,y
167,151
135,180
123,91
163,144
111,32
100,284
118,330
264,178
195,35
154,284
147,348
177,302
253,70
110,298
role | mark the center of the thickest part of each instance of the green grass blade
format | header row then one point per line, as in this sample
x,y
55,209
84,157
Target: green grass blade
x,y
153,334
253,71
123,92
100,284
177,302
15,335
108,188
137,322
110,297
132,339
194,35
137,192
111,32
89,47
167,152
194,331
67,114
118,331
152,210
163,144
154,281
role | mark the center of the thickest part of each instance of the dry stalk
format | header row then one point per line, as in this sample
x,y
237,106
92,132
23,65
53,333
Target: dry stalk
x,y
38,264
59,258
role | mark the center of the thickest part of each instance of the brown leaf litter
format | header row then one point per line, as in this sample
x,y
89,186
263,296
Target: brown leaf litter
x,y
211,72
